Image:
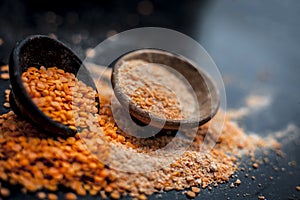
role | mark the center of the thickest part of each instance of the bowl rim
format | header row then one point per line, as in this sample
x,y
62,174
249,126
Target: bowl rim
x,y
143,115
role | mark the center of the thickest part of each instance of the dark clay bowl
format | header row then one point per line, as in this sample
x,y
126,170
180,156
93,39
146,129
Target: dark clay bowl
x,y
205,90
36,51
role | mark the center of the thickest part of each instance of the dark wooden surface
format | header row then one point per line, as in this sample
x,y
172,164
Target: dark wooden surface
x,y
255,44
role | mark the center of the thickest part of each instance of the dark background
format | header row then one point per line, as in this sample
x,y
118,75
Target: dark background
x,y
255,44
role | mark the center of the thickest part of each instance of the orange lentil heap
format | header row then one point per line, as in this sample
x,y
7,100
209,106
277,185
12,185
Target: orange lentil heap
x,y
60,95
34,161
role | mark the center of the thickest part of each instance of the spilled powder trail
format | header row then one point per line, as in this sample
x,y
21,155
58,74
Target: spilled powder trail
x,y
253,102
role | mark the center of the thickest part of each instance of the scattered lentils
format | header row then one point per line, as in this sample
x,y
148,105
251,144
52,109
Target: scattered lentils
x,y
7,92
31,159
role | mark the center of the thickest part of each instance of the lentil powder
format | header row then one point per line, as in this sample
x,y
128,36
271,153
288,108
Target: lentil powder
x,y
146,85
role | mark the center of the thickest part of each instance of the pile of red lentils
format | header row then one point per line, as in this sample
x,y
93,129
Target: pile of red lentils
x,y
37,163
60,95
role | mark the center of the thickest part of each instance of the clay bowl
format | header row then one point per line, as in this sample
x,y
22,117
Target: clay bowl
x,y
203,86
36,51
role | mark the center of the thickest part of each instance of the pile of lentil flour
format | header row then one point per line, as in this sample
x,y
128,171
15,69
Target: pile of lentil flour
x,y
158,89
90,163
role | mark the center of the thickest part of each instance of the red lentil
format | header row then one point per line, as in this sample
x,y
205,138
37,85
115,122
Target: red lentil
x,y
52,196
60,95
6,105
70,196
196,189
37,162
261,197
191,194
4,192
238,182
231,185
41,195
4,68
4,76
115,195
255,165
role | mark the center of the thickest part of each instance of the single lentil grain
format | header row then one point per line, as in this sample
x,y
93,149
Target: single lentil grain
x,y
142,197
191,194
6,105
4,68
52,196
261,197
196,190
238,182
41,195
4,192
70,196
255,165
115,195
4,76
259,185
